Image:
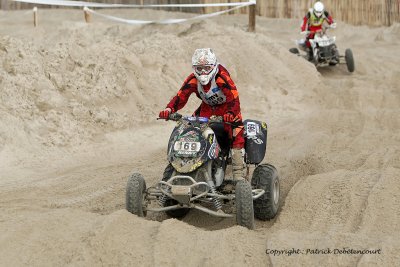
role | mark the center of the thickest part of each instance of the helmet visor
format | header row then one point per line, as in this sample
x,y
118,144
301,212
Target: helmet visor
x,y
203,69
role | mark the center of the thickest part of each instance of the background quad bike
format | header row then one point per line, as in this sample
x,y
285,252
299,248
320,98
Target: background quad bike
x,y
348,56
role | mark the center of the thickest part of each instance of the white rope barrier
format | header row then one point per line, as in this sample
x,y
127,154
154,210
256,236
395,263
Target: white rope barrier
x,y
167,21
87,10
105,5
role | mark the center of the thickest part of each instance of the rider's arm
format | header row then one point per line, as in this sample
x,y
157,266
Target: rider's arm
x,y
305,22
328,17
180,99
229,89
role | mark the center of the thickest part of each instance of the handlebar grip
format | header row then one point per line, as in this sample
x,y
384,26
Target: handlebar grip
x,y
174,116
214,119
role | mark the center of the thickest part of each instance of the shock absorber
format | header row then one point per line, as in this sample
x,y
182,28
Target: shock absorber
x,y
216,201
163,198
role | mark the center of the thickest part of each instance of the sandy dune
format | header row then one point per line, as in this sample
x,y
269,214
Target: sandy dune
x,y
78,104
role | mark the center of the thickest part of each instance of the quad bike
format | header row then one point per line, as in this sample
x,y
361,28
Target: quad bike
x,y
323,51
198,155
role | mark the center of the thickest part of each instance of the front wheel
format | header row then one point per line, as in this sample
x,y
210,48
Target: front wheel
x,y
135,191
244,204
349,60
266,177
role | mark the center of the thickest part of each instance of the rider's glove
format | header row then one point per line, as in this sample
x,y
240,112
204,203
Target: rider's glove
x,y
333,25
164,114
229,117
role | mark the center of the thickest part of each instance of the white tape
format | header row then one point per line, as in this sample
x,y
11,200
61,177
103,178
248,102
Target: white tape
x,y
167,21
104,5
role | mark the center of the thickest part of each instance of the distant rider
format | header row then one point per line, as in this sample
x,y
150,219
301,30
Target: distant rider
x,y
313,22
212,83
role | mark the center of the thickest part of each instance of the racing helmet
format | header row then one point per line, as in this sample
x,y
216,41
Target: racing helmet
x,y
318,9
204,64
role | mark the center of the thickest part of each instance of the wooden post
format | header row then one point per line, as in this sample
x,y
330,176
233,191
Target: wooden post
x,y
252,18
35,17
87,14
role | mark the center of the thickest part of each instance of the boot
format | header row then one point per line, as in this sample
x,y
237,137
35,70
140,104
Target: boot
x,y
237,165
310,55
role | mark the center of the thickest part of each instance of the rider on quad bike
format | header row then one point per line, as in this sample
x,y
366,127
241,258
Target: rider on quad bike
x,y
313,22
212,83
202,146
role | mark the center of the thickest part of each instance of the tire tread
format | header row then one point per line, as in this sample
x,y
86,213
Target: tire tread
x,y
244,204
263,178
135,189
349,60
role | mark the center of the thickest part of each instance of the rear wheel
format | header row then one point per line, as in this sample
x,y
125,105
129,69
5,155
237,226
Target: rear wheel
x,y
349,60
266,177
135,191
179,213
244,204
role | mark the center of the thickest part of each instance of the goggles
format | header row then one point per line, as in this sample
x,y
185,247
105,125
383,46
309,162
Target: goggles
x,y
318,13
204,69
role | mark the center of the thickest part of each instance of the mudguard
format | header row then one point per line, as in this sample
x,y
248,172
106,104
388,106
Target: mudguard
x,y
255,135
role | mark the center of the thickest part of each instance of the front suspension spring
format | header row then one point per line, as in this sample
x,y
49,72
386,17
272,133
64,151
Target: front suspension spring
x,y
162,199
216,200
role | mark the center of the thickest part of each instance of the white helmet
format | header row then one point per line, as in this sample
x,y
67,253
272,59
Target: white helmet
x,y
318,9
204,64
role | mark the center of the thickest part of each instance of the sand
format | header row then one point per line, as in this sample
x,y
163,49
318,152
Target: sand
x,y
78,108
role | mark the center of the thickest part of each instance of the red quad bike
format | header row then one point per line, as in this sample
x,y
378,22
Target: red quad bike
x,y
198,155
323,51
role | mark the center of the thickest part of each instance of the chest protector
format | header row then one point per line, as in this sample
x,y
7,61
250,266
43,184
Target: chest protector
x,y
315,21
214,96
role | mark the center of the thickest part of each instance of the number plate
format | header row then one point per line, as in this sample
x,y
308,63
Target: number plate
x,y
252,129
183,146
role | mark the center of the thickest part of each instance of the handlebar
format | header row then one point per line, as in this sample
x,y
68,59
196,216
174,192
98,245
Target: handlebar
x,y
323,30
314,32
212,119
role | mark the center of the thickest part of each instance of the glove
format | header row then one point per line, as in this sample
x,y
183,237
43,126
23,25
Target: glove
x,y
229,117
164,114
333,25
